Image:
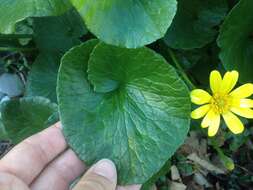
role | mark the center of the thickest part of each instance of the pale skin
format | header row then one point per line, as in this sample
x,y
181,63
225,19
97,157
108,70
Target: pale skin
x,y
44,162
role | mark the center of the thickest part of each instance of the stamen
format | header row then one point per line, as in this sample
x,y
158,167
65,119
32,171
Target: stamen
x,y
220,103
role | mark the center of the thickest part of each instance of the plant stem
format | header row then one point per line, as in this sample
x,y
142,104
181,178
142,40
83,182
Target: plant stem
x,y
181,70
24,49
15,36
227,161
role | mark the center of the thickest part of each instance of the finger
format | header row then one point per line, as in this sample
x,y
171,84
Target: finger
x,y
60,173
11,182
130,187
27,159
101,176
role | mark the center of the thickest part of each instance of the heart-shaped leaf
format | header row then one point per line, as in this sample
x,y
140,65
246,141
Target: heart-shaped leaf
x,y
137,116
236,40
127,23
26,116
13,11
194,23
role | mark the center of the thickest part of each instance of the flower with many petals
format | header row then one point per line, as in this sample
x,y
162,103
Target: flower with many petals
x,y
223,102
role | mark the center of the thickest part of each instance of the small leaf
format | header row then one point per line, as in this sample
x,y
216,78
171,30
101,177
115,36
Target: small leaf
x,y
127,23
26,116
143,116
236,40
194,23
13,11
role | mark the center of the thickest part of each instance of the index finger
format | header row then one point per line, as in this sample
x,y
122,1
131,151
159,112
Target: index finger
x,y
27,159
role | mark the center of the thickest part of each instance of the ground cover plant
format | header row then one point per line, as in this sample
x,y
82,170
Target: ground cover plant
x,y
154,86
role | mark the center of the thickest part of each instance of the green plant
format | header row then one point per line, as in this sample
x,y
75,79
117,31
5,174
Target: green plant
x,y
119,73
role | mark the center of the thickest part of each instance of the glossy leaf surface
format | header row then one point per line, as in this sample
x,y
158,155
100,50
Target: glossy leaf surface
x,y
138,112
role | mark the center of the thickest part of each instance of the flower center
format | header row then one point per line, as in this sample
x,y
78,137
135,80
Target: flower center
x,y
220,103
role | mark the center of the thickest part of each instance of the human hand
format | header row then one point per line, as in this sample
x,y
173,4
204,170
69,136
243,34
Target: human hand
x,y
44,162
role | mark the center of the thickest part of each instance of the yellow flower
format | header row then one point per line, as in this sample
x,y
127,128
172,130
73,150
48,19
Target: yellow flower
x,y
223,102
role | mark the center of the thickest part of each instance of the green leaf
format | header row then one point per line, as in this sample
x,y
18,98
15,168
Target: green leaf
x,y
53,36
236,40
13,11
194,23
59,33
26,116
127,23
43,76
139,111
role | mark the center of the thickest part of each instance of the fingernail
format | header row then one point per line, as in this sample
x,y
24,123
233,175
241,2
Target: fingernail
x,y
106,168
58,125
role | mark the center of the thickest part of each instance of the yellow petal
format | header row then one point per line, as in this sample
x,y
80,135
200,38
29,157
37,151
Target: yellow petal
x,y
215,81
243,91
207,119
214,125
229,81
200,97
200,112
242,103
233,123
243,112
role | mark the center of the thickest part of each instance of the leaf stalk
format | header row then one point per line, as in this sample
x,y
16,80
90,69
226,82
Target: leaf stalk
x,y
181,70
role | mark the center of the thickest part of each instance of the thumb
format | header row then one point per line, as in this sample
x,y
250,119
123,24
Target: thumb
x,y
101,176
